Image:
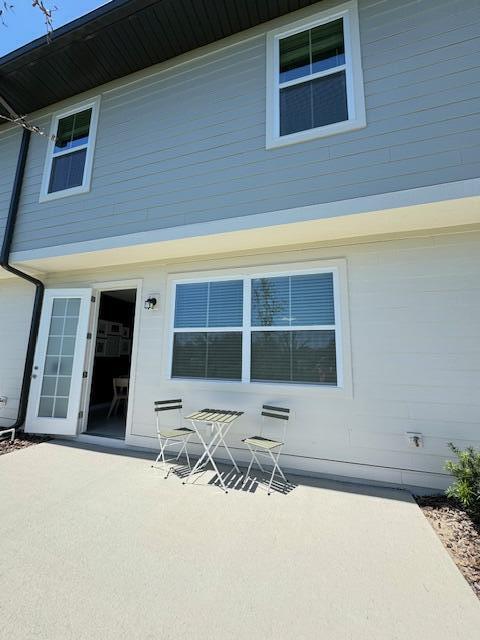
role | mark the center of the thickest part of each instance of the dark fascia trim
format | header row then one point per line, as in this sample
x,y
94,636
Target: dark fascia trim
x,y
64,30
39,286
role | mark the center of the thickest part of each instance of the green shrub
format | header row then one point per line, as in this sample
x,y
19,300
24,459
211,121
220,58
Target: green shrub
x,y
466,471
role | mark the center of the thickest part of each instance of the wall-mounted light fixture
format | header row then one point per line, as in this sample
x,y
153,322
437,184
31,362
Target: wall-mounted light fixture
x,y
150,303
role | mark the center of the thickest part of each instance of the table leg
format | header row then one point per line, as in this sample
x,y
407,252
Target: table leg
x,y
202,457
222,440
210,450
220,430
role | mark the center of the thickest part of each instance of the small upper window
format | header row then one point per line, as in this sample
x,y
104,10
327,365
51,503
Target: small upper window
x,y
70,153
315,79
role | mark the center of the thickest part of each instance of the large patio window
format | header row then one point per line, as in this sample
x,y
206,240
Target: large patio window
x,y
262,328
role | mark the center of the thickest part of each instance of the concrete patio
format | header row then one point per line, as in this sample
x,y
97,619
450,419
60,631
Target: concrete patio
x,y
96,544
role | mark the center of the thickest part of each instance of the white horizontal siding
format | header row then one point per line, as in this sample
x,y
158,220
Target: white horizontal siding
x,y
187,145
16,300
414,309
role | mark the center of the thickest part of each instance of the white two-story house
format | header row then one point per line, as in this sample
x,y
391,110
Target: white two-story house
x,y
239,203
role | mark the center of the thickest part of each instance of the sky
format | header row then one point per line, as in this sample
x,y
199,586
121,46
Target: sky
x,y
25,23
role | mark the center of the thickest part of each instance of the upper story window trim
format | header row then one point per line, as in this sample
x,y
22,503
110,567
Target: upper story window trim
x,y
46,194
351,67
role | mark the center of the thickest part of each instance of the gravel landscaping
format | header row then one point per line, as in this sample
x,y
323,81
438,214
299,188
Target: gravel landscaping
x,y
459,532
21,441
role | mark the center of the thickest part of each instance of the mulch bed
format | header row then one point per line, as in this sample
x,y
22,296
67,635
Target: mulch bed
x,y
21,441
459,532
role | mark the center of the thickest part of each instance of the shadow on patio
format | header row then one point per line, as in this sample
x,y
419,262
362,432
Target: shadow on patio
x,y
257,481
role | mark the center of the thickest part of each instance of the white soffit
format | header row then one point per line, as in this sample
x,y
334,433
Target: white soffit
x,y
206,241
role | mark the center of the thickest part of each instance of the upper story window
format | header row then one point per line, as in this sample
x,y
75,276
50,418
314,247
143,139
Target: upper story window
x,y
68,165
314,78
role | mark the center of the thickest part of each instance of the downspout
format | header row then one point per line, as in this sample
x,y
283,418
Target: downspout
x,y
39,286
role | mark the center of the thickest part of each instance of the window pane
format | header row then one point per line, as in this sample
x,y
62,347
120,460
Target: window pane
x,y
68,346
207,355
224,356
67,171
73,307
73,130
226,304
51,365
54,346
45,408
189,355
271,302
296,108
270,358
191,305
209,304
70,326
327,46
63,386
64,133
49,385
293,300
295,56
315,103
61,408
59,307
329,99
294,356
66,365
312,51
312,299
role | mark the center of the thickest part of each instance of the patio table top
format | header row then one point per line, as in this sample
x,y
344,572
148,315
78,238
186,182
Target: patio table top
x,y
215,415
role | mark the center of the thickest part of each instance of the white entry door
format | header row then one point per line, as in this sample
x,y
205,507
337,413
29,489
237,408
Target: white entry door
x,y
55,391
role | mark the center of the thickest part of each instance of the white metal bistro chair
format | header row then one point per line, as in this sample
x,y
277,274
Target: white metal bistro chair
x,y
173,436
268,447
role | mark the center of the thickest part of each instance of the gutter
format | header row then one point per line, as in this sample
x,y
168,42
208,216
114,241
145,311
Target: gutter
x,y
39,286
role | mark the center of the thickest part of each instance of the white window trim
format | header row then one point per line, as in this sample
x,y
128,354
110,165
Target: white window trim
x,y
93,104
336,267
353,69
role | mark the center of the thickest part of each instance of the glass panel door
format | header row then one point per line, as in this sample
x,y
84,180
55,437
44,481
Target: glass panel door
x,y
59,361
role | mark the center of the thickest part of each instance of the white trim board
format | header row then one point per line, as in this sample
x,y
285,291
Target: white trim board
x,y
98,288
446,205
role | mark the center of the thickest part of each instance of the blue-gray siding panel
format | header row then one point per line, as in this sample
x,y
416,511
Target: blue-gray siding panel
x,y
188,145
9,148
